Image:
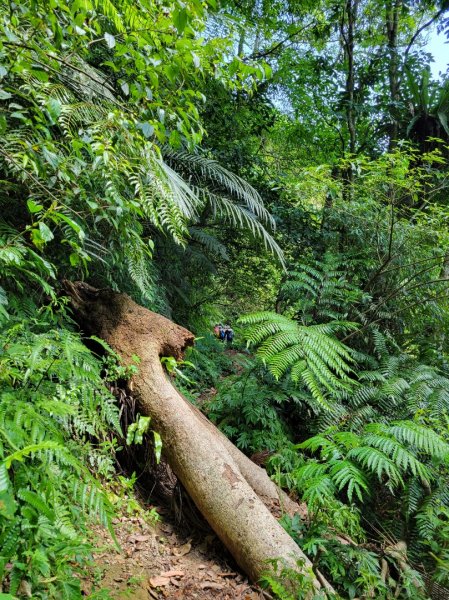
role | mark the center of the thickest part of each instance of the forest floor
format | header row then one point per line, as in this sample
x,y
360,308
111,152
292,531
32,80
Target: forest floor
x,y
160,561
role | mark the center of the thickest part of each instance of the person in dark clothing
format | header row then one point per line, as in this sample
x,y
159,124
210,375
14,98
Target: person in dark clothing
x,y
229,334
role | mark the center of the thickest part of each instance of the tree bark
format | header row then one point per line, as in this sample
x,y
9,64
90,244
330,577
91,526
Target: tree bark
x,y
392,11
233,494
347,37
347,34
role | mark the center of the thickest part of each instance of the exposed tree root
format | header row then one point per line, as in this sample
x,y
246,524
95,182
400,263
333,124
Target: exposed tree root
x,y
232,493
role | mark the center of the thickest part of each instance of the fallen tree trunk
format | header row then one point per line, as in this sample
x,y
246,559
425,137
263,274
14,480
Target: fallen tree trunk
x,y
233,494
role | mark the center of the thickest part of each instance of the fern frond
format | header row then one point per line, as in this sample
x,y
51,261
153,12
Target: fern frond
x,y
329,450
320,360
211,243
314,482
241,217
420,437
377,463
346,474
230,182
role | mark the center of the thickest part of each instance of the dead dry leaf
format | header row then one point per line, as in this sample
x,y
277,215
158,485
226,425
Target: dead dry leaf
x,y
136,537
173,574
159,581
25,588
182,550
142,538
210,585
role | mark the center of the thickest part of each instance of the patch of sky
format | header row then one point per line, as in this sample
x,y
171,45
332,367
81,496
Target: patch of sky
x,y
438,46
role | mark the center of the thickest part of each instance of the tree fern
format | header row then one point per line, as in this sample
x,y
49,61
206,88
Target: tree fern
x,y
164,196
320,361
351,460
320,290
91,175
399,388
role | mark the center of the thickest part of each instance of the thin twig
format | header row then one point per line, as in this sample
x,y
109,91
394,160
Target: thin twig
x,y
273,49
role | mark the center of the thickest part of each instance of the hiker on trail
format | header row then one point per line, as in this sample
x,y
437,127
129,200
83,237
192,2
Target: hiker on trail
x,y
224,333
229,335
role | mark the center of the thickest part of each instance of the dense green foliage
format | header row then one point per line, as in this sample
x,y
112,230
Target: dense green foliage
x,y
53,404
281,165
91,100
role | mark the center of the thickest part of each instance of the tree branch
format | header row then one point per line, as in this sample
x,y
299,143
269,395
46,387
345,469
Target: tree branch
x,y
420,30
273,49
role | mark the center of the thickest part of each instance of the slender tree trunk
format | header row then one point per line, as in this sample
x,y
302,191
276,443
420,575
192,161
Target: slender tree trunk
x,y
392,11
241,46
347,35
230,491
329,200
347,32
256,47
444,273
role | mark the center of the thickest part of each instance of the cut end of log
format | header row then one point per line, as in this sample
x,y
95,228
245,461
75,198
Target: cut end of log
x,y
99,311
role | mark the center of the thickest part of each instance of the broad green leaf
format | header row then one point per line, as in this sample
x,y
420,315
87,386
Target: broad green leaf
x,y
73,224
180,19
157,446
45,232
75,259
54,108
8,505
147,129
33,207
40,74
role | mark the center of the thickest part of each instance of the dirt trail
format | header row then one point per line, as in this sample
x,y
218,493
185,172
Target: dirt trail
x,y
161,562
